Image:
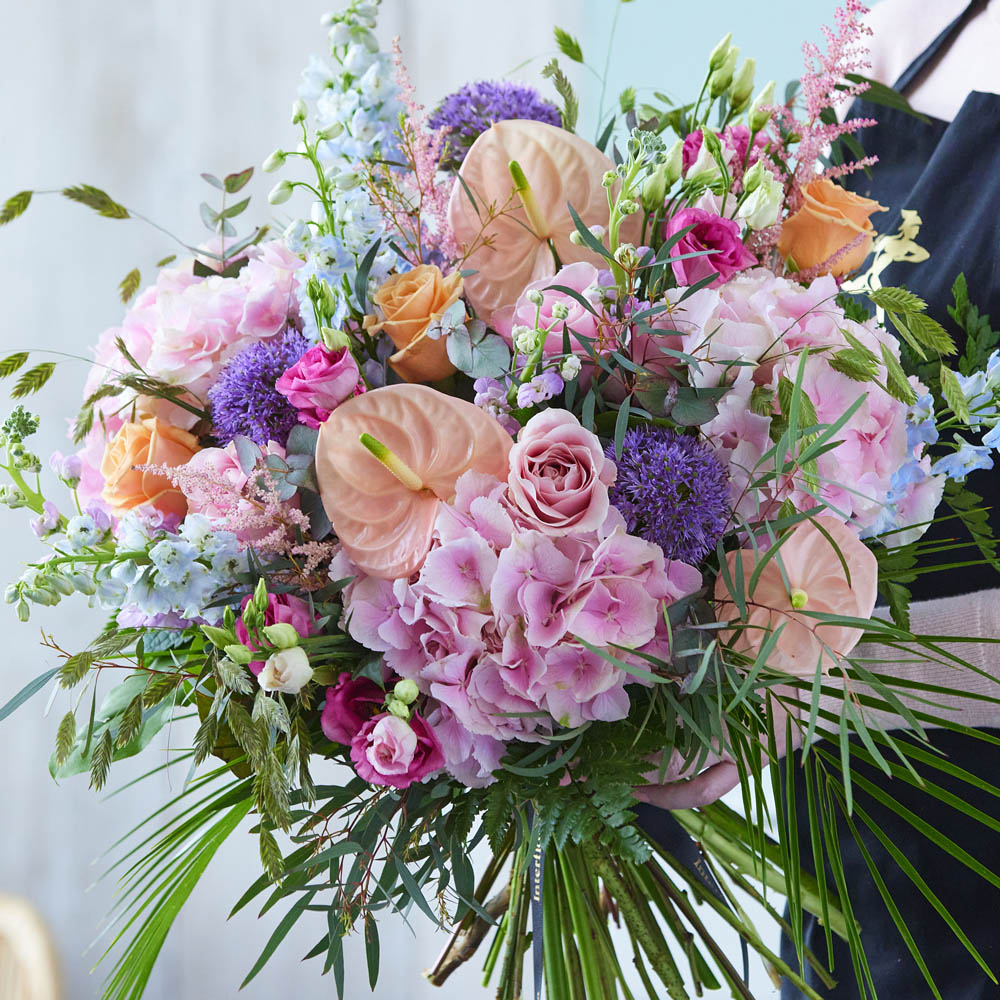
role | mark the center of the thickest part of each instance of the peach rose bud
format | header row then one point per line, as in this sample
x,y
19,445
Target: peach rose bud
x,y
150,441
830,219
410,303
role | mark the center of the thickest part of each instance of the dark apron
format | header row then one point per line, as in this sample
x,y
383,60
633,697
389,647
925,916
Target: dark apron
x,y
950,174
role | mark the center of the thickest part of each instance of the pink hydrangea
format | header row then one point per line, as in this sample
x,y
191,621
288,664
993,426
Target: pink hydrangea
x,y
491,629
749,334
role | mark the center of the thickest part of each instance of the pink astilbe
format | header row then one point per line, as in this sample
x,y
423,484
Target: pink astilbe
x,y
425,225
825,85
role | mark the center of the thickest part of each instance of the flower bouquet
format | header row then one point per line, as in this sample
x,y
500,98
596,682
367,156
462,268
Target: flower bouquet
x,y
527,474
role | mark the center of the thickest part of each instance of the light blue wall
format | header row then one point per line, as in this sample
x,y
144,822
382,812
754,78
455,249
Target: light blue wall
x,y
664,44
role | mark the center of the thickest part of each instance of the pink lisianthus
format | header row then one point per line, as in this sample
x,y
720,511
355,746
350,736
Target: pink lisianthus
x,y
319,382
710,232
581,277
559,477
350,703
281,609
391,751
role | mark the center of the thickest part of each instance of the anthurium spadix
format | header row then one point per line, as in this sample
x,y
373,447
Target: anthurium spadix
x,y
387,459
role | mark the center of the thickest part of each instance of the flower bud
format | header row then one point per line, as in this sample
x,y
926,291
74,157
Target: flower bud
x,y
609,178
23,610
626,256
287,671
60,583
334,339
331,131
406,691
281,634
718,55
628,207
570,368
239,654
11,593
346,180
560,310
575,238
274,162
397,708
299,111
83,583
281,192
720,80
535,297
758,117
742,86
340,35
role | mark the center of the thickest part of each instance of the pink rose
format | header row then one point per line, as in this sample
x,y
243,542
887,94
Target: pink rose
x,y
281,608
391,751
711,232
349,706
319,382
559,477
581,277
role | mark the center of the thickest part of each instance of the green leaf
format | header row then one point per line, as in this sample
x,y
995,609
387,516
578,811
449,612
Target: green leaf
x,y
854,365
129,285
237,181
14,206
12,362
213,180
953,395
361,278
29,689
571,104
209,216
930,333
568,45
372,950
130,723
233,210
169,259
900,300
75,669
65,737
33,380
270,855
896,383
100,763
626,100
100,201
879,93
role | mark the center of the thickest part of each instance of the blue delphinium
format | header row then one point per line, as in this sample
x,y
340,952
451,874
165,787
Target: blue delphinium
x,y
671,490
244,401
471,110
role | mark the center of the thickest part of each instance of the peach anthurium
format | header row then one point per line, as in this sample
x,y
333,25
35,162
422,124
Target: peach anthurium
x,y
387,459
807,573
561,169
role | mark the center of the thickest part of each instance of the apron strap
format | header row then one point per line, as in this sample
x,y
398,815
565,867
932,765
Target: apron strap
x,y
939,46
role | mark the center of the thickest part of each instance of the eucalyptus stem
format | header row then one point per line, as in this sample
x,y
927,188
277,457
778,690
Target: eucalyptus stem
x,y
641,924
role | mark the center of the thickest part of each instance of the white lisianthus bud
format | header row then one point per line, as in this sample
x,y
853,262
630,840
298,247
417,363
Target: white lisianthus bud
x,y
762,205
570,368
287,671
282,635
718,55
274,162
759,118
281,192
406,691
575,238
742,86
560,310
239,654
535,297
720,80
299,111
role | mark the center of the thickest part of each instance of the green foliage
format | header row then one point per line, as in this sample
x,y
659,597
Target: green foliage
x,y
12,363
76,668
33,380
100,201
65,737
14,206
164,261
896,383
980,338
906,312
953,395
626,100
975,517
568,45
100,763
571,104
129,285
270,855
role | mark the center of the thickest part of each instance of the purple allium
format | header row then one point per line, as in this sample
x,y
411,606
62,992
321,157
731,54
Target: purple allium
x,y
244,400
671,490
471,110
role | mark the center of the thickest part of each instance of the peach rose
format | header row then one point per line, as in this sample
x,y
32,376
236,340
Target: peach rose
x,y
150,441
830,219
409,303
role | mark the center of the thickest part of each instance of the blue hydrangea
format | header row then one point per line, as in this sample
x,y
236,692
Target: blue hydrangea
x,y
968,458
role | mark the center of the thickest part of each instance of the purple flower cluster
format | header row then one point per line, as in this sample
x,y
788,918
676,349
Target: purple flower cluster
x,y
671,490
244,400
471,110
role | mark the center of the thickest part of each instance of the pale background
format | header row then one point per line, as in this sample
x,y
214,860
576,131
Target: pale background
x,y
138,98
